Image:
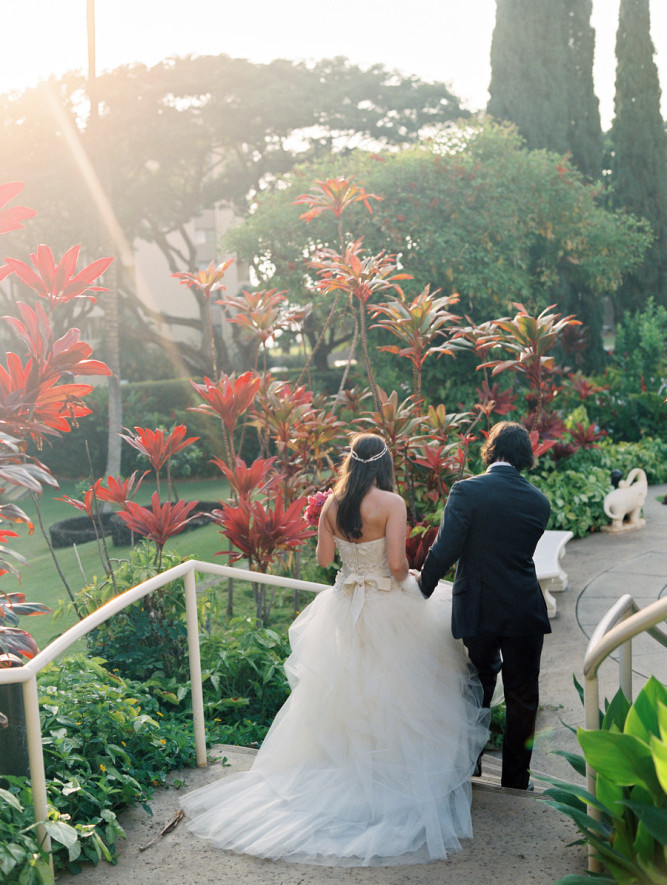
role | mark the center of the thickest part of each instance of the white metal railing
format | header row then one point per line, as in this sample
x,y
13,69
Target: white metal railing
x,y
27,674
624,620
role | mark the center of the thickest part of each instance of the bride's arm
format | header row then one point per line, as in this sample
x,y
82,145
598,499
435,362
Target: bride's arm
x,y
326,546
397,521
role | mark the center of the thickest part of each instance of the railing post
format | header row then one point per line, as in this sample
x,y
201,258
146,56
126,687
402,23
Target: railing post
x,y
36,758
195,667
592,713
625,669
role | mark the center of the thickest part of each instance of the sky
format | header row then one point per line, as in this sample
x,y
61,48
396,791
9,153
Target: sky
x,y
437,40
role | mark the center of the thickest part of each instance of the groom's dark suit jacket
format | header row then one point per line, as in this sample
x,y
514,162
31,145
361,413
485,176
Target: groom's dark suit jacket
x,y
490,527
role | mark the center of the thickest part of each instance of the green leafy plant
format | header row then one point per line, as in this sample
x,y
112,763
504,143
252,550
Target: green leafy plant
x,y
22,859
149,636
629,755
107,743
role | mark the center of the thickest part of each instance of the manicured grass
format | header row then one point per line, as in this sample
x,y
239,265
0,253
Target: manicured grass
x,y
41,583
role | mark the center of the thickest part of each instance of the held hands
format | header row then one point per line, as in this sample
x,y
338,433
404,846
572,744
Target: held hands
x,y
411,582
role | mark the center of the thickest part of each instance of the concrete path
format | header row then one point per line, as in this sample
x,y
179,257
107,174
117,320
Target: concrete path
x,y
518,838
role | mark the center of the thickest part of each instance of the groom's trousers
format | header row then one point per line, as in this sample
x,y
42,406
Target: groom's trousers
x,y
519,659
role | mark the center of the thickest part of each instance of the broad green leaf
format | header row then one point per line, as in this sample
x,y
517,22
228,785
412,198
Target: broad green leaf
x,y
61,832
659,751
642,720
662,720
44,872
617,712
643,847
10,799
622,758
610,794
585,823
575,790
576,760
652,818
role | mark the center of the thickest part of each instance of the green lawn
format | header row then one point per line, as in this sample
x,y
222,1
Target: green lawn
x,y
41,583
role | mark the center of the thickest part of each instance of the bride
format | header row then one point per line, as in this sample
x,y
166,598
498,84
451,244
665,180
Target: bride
x,y
368,763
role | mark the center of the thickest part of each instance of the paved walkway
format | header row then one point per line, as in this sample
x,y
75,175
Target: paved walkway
x,y
518,838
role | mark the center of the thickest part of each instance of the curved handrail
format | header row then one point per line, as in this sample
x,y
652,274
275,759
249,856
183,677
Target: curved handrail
x,y
617,627
118,603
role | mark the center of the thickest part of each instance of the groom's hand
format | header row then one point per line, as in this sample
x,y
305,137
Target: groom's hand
x,y
418,577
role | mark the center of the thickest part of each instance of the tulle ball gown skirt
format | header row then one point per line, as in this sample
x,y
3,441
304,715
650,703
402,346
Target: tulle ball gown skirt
x,y
369,761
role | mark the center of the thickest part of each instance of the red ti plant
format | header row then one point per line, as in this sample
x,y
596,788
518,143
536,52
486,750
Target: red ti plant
x,y
500,402
418,542
263,534
417,324
277,408
13,217
442,465
160,522
526,341
229,398
115,492
59,283
159,447
15,642
360,278
402,427
245,481
262,314
206,282
334,195
33,401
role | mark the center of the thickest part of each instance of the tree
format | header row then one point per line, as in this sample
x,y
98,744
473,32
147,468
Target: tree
x,y
542,77
111,327
639,140
585,140
191,133
475,213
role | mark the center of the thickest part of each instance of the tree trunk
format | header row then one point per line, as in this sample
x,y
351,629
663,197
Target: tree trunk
x,y
111,322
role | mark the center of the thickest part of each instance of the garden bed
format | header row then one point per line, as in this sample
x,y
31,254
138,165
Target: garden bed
x,y
80,529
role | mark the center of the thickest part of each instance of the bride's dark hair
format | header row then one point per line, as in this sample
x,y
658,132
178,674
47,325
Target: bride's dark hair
x,y
368,461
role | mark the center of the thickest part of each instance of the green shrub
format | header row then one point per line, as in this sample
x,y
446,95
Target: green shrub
x,y
577,485
107,744
577,498
243,681
149,636
629,754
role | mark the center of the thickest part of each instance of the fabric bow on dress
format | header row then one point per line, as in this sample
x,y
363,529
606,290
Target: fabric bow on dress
x,y
356,584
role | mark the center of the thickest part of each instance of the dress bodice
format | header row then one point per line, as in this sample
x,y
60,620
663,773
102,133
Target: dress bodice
x,y
364,572
367,558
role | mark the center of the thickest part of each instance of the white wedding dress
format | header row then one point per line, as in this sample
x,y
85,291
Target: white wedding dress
x,y
368,763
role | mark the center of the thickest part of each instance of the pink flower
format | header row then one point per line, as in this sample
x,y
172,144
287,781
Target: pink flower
x,y
314,508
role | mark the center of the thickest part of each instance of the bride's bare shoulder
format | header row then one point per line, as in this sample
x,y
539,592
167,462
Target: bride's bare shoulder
x,y
390,500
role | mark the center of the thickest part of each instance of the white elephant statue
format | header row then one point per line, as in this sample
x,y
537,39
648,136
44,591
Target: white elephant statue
x,y
624,504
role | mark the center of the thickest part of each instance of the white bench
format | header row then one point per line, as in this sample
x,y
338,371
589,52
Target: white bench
x,y
548,553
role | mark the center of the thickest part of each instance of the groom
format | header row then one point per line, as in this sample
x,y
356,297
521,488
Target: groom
x,y
490,527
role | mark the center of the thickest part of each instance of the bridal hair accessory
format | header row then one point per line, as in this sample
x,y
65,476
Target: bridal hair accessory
x,y
376,457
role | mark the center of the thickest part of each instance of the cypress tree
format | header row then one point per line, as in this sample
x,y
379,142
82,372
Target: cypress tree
x,y
542,77
639,142
528,71
584,131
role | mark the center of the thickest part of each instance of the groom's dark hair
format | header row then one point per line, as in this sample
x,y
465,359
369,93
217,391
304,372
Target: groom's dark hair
x,y
508,441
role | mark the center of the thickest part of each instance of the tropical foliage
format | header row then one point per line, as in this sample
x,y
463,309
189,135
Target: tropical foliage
x,y
625,822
